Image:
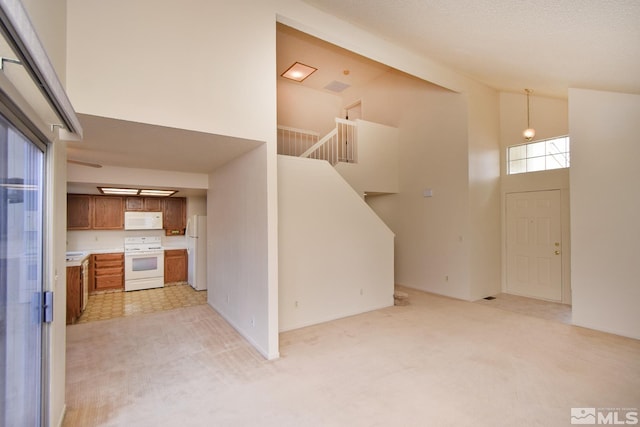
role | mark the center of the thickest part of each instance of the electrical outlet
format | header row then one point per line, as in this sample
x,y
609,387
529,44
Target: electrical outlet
x,y
361,291
228,298
253,321
296,304
446,278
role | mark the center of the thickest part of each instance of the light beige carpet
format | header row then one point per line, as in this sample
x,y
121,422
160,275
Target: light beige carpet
x,y
435,362
530,307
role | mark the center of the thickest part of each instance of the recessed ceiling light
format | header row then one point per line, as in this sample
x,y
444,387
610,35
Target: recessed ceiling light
x,y
298,72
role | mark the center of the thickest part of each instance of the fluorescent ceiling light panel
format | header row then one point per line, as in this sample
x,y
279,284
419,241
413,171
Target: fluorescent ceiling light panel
x,y
159,193
136,192
119,191
298,72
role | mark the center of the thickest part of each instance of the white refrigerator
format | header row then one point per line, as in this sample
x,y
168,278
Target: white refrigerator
x,y
197,251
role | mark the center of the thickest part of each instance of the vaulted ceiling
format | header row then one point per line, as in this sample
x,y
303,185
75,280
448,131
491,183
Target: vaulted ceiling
x,y
546,45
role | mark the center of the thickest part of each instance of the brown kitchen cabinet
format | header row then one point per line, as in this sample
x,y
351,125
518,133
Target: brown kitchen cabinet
x,y
107,271
79,212
175,265
108,213
143,204
74,294
174,215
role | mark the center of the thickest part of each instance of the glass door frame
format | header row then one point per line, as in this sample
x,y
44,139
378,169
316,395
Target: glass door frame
x,y
15,116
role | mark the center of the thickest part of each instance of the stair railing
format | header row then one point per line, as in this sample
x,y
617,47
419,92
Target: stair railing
x,y
339,145
294,142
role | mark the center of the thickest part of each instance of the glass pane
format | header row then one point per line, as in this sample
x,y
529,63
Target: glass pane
x,y
535,164
145,264
556,161
557,145
518,166
536,149
517,152
21,195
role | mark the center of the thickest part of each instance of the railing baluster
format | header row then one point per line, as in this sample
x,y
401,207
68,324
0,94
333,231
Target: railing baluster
x,y
340,145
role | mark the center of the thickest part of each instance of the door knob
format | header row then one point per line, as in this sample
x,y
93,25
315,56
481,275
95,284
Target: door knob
x,y
557,252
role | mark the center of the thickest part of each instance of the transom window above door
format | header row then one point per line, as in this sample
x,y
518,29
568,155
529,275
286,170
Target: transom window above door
x,y
547,154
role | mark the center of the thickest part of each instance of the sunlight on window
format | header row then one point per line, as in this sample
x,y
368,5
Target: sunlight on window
x,y
538,156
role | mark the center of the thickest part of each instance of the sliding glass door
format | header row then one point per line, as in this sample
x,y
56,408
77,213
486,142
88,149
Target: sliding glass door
x,y
21,278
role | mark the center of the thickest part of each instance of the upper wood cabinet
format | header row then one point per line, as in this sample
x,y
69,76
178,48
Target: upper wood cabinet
x,y
79,210
152,204
108,213
134,204
175,215
88,212
144,204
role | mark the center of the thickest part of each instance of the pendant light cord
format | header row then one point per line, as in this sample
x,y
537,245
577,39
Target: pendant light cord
x,y
528,108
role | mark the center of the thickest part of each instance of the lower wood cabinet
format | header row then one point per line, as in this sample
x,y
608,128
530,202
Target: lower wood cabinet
x,y
107,271
175,265
74,294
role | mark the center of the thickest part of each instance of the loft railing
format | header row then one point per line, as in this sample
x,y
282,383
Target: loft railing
x,y
294,142
339,145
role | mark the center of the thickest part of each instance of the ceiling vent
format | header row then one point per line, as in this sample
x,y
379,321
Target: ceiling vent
x,y
336,86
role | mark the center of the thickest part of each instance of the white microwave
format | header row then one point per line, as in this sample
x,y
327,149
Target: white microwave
x,y
143,220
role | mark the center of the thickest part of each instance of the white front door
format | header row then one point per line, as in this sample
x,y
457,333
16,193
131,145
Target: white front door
x,y
534,247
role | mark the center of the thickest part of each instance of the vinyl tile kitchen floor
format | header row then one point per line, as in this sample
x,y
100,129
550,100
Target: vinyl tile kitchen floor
x,y
123,304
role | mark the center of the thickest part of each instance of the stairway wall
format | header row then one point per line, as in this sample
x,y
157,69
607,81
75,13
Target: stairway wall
x,y
377,168
335,254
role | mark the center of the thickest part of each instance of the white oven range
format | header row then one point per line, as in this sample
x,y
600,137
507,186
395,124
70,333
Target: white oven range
x,y
143,263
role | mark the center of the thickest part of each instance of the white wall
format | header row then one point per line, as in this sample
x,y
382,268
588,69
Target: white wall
x,y
236,246
430,232
114,175
303,108
549,116
207,67
484,193
113,240
377,167
336,255
196,205
605,231
49,19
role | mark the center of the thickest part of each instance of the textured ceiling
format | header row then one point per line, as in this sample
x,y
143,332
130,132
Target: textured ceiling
x,y
547,45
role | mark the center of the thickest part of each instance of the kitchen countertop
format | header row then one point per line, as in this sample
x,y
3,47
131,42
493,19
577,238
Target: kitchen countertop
x,y
75,258
170,247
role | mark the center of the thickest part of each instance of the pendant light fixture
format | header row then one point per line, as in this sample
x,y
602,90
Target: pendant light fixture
x,y
529,132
